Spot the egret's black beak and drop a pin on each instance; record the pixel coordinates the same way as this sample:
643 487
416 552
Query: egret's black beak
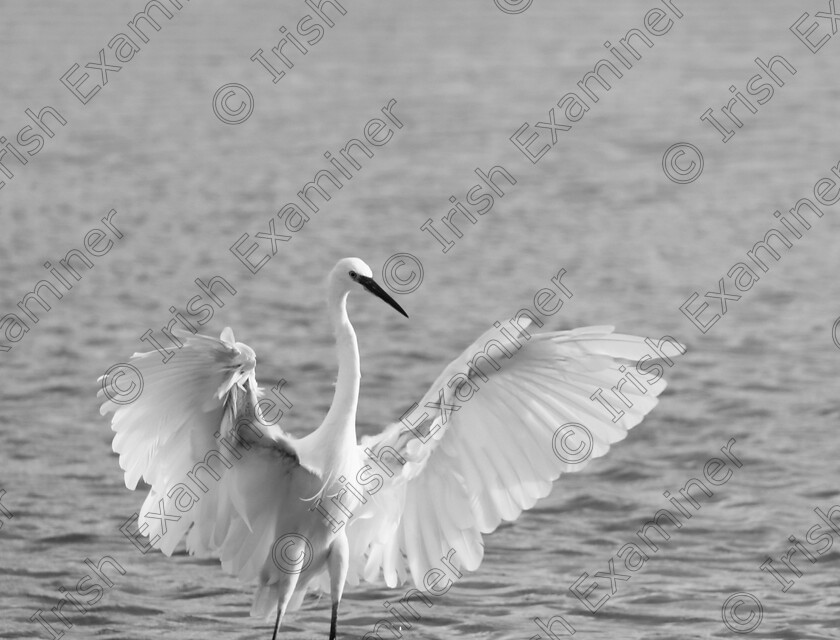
370 285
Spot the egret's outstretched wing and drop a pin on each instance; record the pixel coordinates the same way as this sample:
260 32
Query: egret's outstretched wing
487 440
219 472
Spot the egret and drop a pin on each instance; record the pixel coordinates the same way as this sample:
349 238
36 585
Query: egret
326 510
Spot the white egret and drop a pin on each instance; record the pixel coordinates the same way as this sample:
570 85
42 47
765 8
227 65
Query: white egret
326 510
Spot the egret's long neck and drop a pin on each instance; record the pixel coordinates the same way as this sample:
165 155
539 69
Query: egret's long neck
342 413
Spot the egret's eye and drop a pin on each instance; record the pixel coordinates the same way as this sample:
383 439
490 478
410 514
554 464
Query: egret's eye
353 275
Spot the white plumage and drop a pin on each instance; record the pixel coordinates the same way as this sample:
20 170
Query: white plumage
324 510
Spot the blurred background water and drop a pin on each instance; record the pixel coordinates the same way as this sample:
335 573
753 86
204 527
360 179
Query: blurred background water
465 76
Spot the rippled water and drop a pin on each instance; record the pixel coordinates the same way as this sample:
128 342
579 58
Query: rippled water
635 246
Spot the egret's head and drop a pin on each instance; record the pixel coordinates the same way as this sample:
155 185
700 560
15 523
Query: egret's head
350 274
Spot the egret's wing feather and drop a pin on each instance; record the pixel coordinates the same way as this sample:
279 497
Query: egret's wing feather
480 447
219 473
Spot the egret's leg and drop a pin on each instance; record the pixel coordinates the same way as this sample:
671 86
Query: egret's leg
286 592
334 620
337 565
277 622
